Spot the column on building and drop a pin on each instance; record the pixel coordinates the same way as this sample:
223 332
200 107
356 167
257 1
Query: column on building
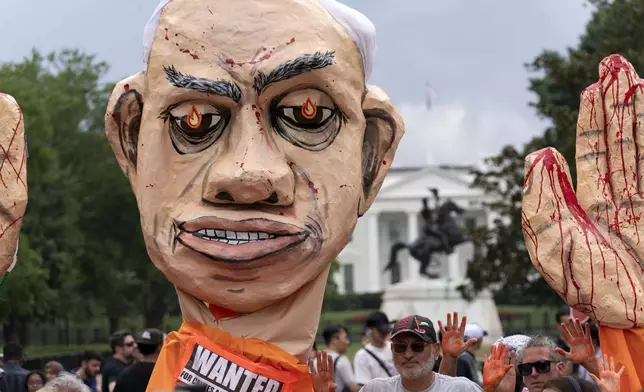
412 235
373 240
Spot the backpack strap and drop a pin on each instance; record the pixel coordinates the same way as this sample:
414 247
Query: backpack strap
382 365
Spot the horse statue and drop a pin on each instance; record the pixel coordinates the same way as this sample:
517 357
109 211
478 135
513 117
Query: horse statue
440 234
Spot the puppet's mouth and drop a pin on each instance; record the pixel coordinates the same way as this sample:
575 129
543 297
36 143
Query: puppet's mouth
237 241
232 237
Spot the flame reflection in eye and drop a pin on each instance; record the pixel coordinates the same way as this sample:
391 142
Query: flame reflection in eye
196 127
309 126
309 109
194 119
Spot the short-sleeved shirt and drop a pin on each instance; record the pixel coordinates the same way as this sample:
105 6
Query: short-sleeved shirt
344 375
135 378
366 366
442 383
112 370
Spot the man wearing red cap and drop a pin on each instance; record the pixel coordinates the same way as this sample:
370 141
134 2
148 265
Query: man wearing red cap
415 349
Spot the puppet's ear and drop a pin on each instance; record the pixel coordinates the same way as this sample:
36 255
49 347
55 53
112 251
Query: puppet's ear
123 121
384 128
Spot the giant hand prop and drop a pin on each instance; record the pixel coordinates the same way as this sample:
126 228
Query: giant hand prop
252 144
13 181
589 245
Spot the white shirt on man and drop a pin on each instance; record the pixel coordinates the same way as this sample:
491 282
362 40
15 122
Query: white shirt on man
442 383
343 371
366 366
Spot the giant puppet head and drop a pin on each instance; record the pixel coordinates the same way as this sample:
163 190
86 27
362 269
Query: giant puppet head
13 180
253 144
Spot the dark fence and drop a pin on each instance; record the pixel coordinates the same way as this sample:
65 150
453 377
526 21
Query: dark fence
69 361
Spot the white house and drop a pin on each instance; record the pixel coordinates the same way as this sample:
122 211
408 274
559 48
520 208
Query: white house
395 217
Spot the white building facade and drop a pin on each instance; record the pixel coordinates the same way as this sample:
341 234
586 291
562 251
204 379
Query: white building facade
395 217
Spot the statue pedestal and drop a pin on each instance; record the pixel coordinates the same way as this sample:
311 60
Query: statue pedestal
434 298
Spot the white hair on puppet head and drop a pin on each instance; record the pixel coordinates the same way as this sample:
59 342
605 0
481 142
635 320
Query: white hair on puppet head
358 26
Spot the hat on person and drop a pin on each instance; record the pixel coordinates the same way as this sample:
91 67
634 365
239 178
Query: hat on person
379 321
151 337
515 342
474 331
417 325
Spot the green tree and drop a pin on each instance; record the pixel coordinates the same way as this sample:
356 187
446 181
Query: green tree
504 265
82 236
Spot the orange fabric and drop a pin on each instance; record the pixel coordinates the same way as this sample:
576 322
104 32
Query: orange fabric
627 347
255 355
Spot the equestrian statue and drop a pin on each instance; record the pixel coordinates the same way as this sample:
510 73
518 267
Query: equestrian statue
440 234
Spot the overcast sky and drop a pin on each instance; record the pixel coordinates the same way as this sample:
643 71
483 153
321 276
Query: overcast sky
472 52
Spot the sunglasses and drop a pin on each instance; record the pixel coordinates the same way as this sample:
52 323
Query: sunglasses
525 369
401 348
129 344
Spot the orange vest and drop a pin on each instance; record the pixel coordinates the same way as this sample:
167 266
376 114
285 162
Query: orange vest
199 354
627 347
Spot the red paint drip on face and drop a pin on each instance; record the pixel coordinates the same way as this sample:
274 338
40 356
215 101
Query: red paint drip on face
166 34
291 164
230 62
258 115
281 213
384 162
312 186
126 87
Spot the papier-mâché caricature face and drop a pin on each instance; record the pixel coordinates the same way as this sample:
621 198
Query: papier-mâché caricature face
252 144
13 180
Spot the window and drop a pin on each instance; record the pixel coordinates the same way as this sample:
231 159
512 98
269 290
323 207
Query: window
347 270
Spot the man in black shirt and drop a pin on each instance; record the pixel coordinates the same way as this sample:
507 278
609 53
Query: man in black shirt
123 348
136 377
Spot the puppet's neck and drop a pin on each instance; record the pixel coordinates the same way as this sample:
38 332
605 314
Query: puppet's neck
290 324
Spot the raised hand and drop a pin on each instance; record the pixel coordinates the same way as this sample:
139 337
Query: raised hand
589 245
452 342
13 179
581 345
608 380
496 366
324 375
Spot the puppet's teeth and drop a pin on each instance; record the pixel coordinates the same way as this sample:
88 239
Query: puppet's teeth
233 237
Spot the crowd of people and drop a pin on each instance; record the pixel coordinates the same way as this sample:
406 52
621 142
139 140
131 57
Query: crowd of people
414 356
128 368
411 355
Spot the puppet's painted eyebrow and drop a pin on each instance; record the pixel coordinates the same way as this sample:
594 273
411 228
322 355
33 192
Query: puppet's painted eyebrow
292 68
215 87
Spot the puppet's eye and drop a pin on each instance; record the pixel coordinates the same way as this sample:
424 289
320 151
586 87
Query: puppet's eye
195 127
307 119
